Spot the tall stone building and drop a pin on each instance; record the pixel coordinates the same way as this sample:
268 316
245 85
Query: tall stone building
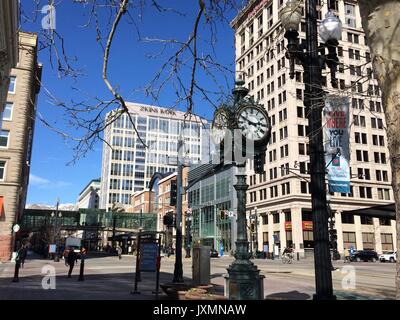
9 22
18 120
281 196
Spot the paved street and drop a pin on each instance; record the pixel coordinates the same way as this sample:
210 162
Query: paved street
110 278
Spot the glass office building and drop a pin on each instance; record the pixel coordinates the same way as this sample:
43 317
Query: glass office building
212 192
128 166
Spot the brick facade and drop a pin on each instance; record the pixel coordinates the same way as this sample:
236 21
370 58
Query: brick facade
17 126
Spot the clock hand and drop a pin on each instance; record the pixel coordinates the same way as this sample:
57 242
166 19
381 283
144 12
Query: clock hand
251 122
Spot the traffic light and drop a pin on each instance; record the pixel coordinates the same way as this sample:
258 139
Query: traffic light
259 162
173 193
252 227
168 219
222 214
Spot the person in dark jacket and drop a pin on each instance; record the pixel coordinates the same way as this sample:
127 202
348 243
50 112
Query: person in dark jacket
71 258
23 252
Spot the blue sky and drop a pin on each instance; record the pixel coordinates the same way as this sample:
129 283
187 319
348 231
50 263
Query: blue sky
129 68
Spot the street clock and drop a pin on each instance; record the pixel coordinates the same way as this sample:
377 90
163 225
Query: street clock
219 125
253 121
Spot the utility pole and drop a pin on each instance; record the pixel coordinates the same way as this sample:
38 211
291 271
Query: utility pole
178 269
256 229
58 230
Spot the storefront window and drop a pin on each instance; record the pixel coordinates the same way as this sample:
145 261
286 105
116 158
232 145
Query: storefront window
308 239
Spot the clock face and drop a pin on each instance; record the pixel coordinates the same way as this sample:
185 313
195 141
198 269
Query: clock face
254 123
219 126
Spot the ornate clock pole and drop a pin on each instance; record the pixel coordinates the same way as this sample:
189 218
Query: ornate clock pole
244 281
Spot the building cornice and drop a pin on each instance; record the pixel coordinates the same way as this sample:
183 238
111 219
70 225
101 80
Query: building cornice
252 6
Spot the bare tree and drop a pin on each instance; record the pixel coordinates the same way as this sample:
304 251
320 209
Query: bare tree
185 60
381 23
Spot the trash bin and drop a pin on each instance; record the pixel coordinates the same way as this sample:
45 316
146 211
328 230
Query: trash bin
201 265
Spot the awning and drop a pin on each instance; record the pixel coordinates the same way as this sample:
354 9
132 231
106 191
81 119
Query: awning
380 211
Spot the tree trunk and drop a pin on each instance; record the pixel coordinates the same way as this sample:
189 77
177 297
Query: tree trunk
381 23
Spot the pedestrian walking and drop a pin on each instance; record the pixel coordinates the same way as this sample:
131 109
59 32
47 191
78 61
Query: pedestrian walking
17 266
119 251
346 255
71 259
65 255
82 267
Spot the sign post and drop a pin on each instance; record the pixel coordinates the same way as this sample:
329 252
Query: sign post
148 257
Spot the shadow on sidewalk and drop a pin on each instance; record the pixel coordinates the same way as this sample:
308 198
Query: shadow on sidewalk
291 295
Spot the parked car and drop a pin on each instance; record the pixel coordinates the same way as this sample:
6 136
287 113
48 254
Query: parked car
364 255
213 253
388 256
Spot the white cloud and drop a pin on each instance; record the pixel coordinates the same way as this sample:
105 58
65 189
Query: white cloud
43 183
38 181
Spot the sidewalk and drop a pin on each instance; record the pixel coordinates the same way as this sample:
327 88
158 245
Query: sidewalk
108 278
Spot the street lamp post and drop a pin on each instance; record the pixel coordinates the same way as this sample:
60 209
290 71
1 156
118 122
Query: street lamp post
57 215
330 32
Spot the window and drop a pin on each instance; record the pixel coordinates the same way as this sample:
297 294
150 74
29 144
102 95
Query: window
265 238
349 240
11 88
300 130
351 53
7 114
387 241
384 222
284 151
347 218
285 188
2 170
4 134
300 112
260 25
383 194
270 16
303 187
366 220
362 155
368 239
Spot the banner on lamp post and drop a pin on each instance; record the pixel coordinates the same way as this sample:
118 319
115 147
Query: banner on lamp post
337 154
